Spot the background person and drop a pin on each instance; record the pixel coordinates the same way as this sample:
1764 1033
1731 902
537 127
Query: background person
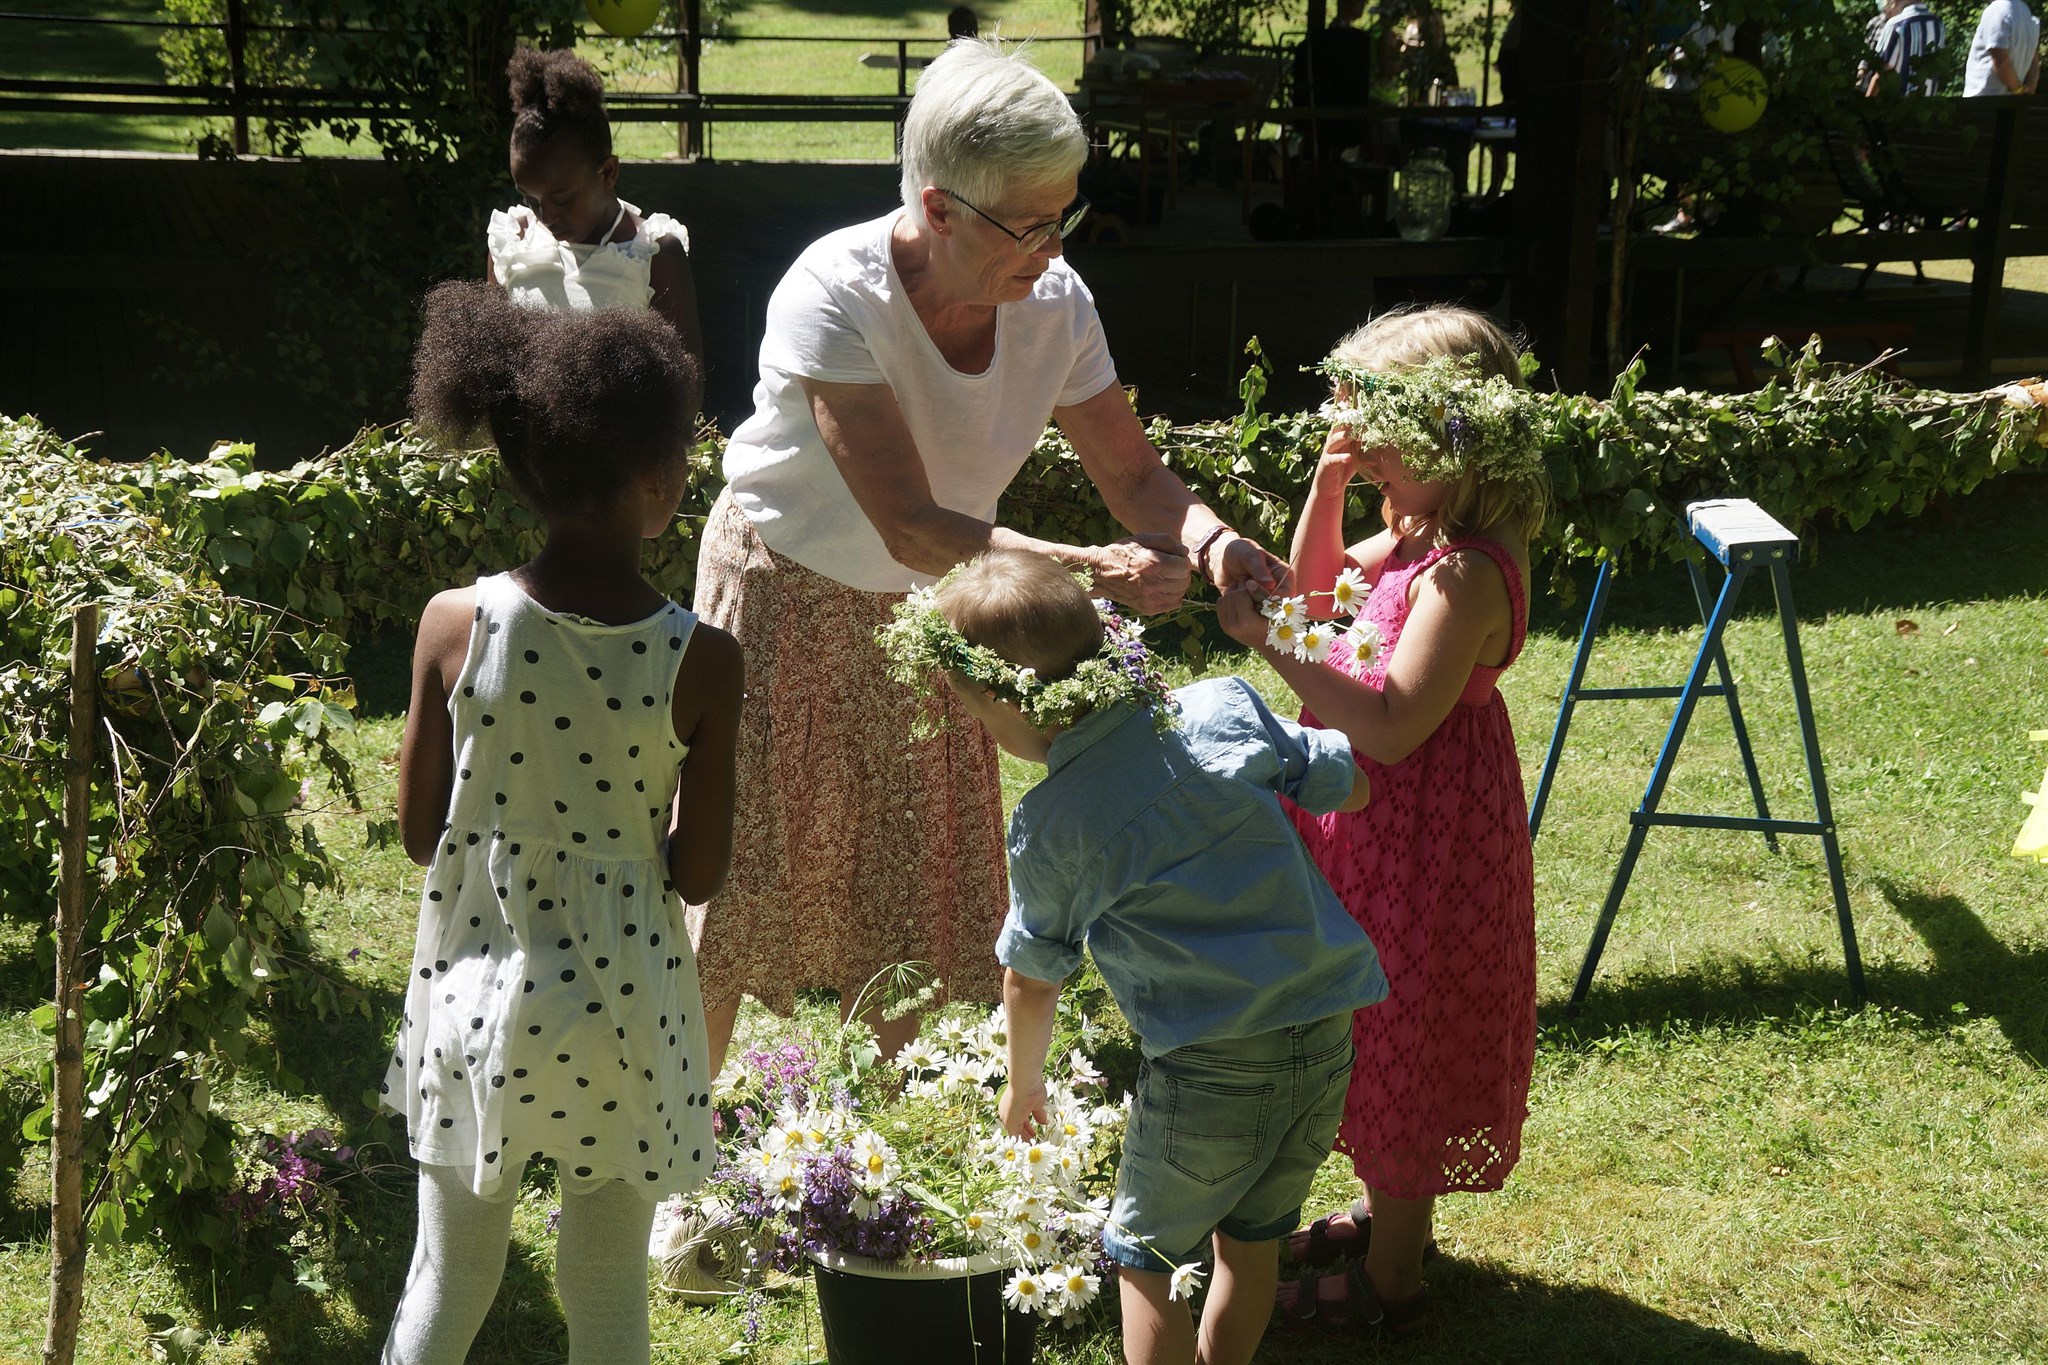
1910 33
909 368
2005 53
573 244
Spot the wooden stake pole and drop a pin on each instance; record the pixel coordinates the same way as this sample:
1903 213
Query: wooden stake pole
67 1213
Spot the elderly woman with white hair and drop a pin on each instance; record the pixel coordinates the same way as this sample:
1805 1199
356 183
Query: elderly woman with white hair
910 365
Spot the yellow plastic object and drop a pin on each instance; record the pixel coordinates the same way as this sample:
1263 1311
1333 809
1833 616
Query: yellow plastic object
2033 840
1733 96
624 18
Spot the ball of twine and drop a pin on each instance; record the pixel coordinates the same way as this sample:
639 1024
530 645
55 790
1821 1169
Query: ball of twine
707 1256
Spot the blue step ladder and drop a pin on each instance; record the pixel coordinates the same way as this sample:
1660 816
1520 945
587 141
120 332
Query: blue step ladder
1743 538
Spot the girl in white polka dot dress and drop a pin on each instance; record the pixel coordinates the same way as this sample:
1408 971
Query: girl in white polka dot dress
567 779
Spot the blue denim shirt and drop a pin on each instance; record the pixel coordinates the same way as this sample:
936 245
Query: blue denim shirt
1169 856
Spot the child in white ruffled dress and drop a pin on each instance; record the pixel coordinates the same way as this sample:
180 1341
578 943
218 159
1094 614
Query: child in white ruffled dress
573 244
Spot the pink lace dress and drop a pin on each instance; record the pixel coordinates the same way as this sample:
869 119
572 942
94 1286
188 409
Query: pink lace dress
1437 869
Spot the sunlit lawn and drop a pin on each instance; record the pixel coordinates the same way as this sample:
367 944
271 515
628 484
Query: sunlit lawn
1724 1161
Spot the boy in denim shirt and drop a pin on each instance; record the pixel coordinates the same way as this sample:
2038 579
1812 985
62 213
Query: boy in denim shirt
1166 852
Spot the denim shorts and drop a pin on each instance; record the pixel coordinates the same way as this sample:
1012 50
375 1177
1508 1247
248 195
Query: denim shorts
1227 1136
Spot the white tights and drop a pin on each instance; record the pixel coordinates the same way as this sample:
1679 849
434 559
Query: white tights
600 1271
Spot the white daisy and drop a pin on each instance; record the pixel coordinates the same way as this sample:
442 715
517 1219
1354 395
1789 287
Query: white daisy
1076 1286
786 1187
981 1225
1185 1280
1034 1241
1283 636
1292 610
1028 1207
1081 1069
915 1056
1088 1216
1349 591
995 1034
874 1158
1025 1292
1364 638
1315 641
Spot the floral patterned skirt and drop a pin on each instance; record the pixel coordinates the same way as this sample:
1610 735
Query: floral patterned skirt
855 847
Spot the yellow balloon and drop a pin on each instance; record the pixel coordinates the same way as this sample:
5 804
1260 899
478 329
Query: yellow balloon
624 18
1733 96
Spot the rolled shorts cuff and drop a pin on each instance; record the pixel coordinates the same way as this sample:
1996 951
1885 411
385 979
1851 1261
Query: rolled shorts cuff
1131 1254
1272 1231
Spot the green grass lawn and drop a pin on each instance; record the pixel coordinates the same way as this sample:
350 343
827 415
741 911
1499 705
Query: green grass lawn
736 64
1724 1160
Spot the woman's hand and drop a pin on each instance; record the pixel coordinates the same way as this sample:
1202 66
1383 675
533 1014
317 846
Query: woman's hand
1237 611
1147 572
1243 562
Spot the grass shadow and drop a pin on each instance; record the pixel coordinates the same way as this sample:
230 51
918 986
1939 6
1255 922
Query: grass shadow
1972 970
1486 1312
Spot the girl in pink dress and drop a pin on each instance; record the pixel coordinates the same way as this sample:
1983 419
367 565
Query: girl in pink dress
1437 868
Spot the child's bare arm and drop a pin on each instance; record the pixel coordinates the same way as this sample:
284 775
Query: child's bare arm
1319 552
426 756
709 685
1453 615
1030 1003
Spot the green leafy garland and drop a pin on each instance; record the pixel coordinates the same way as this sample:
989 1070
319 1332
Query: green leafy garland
1445 418
922 646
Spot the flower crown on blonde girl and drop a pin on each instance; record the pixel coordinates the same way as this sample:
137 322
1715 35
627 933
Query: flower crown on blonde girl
1448 420
921 646
1444 415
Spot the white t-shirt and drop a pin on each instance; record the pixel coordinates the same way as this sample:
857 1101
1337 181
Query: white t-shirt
2008 24
841 315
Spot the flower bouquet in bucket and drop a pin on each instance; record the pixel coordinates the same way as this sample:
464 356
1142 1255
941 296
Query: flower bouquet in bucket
892 1180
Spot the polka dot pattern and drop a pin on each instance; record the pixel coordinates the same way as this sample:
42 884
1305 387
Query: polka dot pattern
1439 872
525 965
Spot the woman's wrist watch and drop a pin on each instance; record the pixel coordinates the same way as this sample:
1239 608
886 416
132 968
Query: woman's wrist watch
1201 555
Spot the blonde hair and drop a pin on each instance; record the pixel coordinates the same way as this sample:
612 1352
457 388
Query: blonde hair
1027 608
1405 337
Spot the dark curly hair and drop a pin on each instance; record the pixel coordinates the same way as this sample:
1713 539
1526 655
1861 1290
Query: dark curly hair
576 403
556 93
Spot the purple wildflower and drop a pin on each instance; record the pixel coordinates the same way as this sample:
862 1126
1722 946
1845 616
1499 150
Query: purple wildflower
1458 433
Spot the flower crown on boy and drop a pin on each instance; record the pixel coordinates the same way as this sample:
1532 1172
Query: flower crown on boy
922 646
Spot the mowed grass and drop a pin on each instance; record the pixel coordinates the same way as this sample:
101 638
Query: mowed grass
731 63
1725 1160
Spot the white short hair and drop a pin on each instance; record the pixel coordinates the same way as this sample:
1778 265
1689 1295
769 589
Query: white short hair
984 123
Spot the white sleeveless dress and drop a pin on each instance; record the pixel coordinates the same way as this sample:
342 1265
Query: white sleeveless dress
540 271
553 1008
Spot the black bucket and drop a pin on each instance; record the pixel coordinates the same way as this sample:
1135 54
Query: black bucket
880 1319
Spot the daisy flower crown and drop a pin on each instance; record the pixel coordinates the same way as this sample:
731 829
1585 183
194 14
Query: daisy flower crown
1445 418
921 645
1291 631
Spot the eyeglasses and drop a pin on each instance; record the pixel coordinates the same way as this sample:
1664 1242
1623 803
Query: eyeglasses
1033 238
